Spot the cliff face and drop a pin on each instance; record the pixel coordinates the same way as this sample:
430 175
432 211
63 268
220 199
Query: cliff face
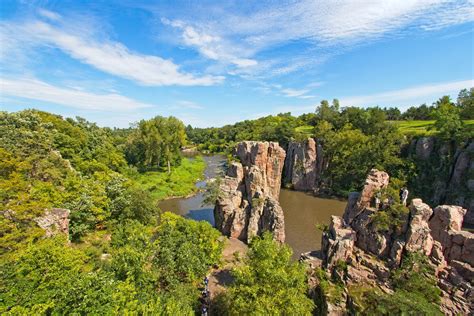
371 253
445 176
303 165
248 201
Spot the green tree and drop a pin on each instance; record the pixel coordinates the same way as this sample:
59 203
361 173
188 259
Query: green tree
156 142
465 102
269 283
448 120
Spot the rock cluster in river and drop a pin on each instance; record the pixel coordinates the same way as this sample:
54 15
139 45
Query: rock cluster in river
371 253
248 195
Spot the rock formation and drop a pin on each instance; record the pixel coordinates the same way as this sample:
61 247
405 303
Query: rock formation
446 176
370 253
248 201
303 165
54 221
376 181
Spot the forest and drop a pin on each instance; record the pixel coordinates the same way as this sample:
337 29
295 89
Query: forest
122 255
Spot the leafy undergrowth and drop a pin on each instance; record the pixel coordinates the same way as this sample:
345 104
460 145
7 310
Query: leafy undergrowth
181 181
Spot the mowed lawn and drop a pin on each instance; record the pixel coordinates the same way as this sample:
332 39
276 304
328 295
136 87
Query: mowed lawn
423 128
418 128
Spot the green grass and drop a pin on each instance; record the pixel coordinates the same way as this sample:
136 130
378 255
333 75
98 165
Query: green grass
422 128
305 129
181 181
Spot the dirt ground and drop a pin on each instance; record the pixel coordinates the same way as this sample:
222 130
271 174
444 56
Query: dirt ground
222 277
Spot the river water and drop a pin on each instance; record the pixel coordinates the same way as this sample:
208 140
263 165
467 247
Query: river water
302 211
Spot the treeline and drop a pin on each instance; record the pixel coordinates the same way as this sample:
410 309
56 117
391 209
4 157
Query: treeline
354 139
285 127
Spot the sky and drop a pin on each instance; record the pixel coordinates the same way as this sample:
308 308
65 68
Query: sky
212 63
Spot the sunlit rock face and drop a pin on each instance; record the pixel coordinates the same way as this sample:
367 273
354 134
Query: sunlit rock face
248 201
370 253
303 165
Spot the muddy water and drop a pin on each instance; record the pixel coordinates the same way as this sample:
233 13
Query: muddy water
302 211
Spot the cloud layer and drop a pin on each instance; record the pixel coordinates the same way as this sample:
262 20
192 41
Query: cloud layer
38 90
105 55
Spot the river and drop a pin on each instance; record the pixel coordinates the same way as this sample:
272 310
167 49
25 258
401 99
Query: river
302 211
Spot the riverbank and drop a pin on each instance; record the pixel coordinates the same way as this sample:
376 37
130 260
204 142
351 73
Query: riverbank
181 182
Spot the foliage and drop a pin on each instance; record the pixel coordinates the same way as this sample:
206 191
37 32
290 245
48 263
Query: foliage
156 143
185 249
181 181
212 191
268 283
465 102
448 120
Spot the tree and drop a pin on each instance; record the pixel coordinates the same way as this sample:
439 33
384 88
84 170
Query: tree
269 283
156 143
465 102
448 121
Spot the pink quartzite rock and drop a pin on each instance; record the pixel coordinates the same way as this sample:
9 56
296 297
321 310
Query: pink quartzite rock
301 165
248 200
376 180
54 221
418 234
338 243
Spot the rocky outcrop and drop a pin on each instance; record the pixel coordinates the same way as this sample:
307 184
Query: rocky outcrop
303 165
418 237
376 181
367 253
54 221
248 201
337 243
445 173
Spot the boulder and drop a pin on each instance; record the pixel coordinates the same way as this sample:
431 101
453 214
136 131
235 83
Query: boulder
376 180
248 201
54 221
418 236
337 243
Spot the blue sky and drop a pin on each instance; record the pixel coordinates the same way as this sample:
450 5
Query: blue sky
214 63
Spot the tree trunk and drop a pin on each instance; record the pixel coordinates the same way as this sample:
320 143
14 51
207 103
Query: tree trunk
169 167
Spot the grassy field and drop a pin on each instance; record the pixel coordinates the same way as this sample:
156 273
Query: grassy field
181 181
418 128
422 128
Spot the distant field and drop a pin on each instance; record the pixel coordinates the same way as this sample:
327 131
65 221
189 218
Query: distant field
422 127
305 129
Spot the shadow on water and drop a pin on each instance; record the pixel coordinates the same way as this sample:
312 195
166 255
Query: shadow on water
204 214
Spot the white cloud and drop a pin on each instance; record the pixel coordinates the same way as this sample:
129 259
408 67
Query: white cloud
108 56
41 91
326 27
49 15
189 105
408 96
294 92
210 46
